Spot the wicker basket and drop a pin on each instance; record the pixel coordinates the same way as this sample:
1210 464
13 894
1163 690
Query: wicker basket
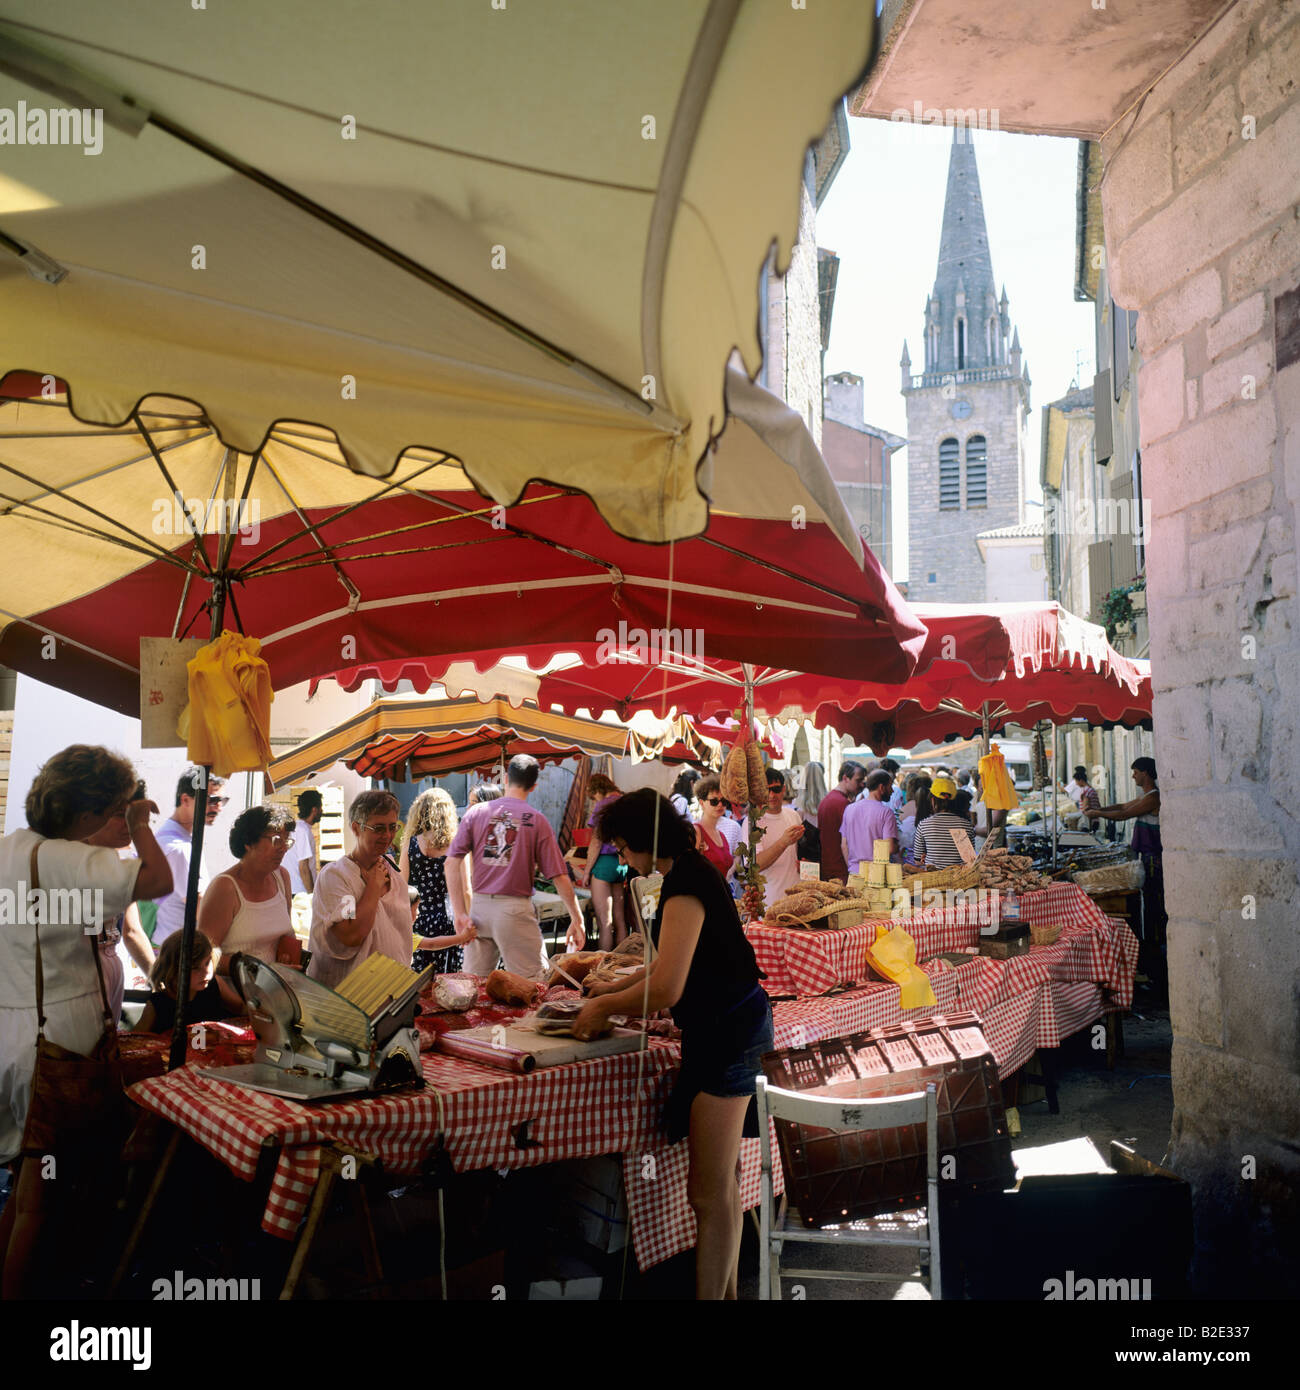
827 918
959 876
1044 933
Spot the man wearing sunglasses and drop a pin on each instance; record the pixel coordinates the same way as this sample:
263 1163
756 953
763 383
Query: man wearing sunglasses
175 838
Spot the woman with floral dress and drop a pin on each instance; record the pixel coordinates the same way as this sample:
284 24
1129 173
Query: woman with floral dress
430 828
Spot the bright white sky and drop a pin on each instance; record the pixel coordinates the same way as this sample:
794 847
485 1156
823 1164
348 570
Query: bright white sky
882 217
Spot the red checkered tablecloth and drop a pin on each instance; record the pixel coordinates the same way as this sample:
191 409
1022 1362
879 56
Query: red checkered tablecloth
805 962
608 1105
1046 991
615 1104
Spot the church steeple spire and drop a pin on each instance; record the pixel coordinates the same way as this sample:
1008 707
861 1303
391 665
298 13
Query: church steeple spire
965 323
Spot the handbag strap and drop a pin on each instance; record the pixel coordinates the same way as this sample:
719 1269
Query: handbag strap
110 1023
35 882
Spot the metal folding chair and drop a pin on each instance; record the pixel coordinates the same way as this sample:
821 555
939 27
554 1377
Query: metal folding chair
845 1114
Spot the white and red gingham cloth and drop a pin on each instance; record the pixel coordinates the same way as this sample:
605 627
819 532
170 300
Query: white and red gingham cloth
600 1107
802 962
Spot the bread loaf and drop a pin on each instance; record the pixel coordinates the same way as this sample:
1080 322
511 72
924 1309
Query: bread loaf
734 781
757 777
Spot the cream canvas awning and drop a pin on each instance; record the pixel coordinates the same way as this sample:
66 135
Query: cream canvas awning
527 237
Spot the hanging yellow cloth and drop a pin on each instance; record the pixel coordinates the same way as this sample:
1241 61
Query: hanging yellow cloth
999 794
227 723
893 955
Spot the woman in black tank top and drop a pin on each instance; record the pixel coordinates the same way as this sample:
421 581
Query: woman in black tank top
705 972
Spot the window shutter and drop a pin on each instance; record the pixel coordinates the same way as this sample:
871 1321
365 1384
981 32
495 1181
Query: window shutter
1099 578
949 476
1103 417
977 477
1124 558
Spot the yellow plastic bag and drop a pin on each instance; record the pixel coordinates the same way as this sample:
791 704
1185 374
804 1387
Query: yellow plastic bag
894 956
227 723
999 794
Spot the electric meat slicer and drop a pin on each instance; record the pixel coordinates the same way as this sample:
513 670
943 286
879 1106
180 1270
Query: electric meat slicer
316 1043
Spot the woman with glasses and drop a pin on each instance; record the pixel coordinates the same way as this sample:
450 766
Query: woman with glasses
361 904
247 908
716 834
74 795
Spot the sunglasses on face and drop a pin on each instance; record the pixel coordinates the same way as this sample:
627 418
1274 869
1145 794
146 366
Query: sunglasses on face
718 801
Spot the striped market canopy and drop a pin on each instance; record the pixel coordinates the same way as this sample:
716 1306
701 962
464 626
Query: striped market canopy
406 740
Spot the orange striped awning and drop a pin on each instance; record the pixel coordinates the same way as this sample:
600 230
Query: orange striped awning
410 739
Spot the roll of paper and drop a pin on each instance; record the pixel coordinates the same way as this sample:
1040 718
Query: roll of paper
456 1044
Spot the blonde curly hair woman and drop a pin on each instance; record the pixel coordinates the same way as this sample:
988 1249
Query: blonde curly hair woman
430 828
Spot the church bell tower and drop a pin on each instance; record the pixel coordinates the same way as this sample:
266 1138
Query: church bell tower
967 410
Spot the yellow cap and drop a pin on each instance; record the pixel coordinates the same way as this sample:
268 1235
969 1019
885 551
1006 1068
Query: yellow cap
943 787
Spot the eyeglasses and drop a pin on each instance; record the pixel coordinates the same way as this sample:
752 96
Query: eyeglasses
718 801
389 829
218 800
279 840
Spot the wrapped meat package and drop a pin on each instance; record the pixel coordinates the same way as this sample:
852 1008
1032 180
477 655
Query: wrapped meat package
455 992
513 989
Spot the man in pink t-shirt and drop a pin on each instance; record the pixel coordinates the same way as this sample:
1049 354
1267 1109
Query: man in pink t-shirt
509 844
869 820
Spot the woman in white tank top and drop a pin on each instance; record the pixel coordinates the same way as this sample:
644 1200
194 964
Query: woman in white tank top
246 908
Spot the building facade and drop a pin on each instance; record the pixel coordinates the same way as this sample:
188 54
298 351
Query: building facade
859 457
966 409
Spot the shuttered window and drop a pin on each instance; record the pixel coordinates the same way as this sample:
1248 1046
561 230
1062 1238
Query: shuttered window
1099 578
1123 524
949 476
977 481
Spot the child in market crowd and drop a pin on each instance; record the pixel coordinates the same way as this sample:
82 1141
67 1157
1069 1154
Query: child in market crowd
209 1000
602 872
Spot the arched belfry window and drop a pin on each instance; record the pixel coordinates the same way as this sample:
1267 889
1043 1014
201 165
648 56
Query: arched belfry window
949 476
977 478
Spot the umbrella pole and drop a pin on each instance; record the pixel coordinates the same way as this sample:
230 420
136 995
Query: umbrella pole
176 1058
1056 815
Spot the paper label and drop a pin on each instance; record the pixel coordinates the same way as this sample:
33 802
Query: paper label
964 847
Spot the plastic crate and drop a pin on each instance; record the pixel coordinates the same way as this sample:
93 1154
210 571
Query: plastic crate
832 1178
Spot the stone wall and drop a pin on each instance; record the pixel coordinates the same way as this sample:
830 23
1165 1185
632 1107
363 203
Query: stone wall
1203 238
793 350
803 342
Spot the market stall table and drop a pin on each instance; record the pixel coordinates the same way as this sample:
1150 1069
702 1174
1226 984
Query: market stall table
487 1118
803 962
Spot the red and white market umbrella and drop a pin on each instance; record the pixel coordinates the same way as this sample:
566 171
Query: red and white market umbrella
114 534
1057 668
